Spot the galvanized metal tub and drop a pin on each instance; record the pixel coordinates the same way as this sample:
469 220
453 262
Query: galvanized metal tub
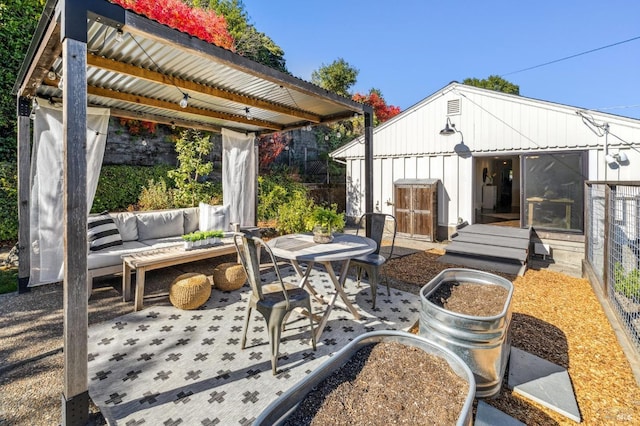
276 413
484 343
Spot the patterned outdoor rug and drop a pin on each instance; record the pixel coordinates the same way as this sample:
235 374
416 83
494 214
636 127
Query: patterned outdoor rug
165 366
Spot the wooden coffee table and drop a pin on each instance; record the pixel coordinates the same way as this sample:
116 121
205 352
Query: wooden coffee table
161 258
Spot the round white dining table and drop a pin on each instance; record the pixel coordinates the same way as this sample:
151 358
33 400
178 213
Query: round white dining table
300 248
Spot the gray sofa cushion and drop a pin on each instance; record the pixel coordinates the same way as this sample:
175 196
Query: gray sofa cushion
191 219
157 243
113 255
160 224
127 225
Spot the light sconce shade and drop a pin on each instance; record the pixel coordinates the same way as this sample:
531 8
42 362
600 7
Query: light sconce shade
619 157
449 128
184 101
610 159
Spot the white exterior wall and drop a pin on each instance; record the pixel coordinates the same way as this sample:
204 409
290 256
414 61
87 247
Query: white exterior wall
490 123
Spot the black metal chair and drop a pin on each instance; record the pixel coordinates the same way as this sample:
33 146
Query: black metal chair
273 300
383 232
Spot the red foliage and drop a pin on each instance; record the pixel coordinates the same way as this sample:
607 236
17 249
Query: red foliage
382 111
204 24
138 128
269 147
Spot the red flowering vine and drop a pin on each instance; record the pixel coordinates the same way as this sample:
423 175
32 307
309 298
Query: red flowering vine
200 23
382 111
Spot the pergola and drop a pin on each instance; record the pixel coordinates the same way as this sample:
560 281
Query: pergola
95 53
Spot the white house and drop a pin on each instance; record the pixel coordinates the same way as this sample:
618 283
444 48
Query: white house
494 156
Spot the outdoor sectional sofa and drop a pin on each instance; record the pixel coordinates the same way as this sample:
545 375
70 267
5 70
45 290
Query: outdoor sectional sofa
113 235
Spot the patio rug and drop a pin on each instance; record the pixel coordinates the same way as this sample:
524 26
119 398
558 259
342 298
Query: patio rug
165 366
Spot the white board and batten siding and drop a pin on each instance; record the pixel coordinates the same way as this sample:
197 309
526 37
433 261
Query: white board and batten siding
489 123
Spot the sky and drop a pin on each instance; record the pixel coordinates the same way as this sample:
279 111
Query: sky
409 49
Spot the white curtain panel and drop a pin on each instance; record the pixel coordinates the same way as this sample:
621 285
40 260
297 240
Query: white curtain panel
239 176
47 208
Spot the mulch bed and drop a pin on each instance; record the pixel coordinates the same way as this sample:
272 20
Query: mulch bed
557 318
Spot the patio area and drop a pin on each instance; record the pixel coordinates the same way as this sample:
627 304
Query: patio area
572 332
163 365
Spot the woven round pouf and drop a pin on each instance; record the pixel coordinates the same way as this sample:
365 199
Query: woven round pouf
189 291
229 276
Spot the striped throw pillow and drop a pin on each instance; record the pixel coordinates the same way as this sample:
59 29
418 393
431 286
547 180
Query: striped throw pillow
103 232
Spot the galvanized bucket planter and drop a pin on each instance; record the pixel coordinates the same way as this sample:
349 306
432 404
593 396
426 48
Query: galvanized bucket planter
483 343
276 413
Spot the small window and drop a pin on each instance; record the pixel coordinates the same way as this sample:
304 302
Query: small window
453 107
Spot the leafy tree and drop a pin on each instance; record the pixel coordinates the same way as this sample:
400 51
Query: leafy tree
204 24
18 21
337 77
192 148
494 82
249 42
382 111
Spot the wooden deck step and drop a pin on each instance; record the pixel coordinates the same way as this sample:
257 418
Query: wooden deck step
513 268
497 248
493 240
488 250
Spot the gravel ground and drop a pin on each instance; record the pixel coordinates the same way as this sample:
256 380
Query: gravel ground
555 316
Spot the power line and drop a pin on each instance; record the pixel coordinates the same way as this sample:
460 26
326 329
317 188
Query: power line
572 56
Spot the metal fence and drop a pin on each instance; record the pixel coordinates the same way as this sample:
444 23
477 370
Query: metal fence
613 248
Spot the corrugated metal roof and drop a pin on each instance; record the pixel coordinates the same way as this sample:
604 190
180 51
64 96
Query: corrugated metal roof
144 69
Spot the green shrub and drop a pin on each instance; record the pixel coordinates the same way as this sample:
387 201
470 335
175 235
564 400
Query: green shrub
155 196
274 190
8 280
192 148
120 186
294 215
625 283
8 202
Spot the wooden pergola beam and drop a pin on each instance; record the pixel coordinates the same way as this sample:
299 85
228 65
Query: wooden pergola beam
172 106
156 77
121 113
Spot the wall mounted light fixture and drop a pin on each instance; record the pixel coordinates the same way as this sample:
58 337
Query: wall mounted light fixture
449 128
617 158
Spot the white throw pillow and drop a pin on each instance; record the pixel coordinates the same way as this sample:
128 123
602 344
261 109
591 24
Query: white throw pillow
214 218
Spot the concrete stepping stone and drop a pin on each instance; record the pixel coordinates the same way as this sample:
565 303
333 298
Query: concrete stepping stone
486 415
544 382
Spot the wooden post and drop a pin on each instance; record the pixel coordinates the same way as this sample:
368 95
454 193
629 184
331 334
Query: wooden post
368 164
24 191
75 398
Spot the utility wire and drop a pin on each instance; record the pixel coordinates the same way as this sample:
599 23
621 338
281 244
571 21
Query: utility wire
572 56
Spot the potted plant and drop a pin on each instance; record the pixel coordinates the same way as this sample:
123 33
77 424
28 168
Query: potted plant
201 239
323 222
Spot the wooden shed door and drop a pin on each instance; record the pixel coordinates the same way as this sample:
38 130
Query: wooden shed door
414 209
403 208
